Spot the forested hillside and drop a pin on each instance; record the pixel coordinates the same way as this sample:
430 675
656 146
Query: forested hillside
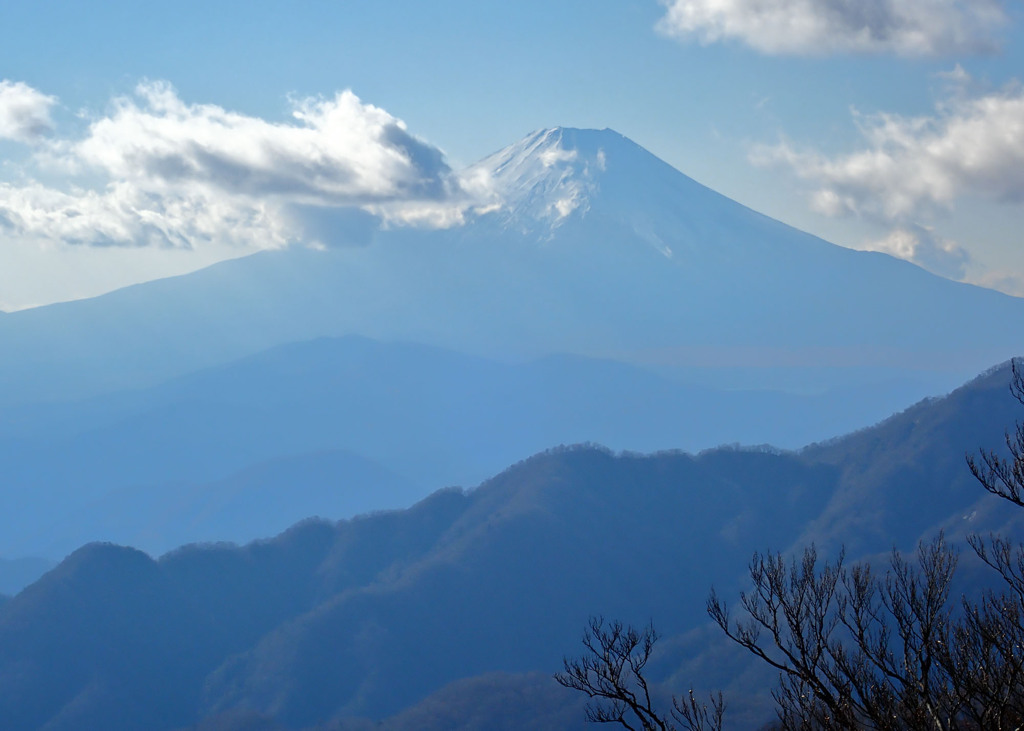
372 617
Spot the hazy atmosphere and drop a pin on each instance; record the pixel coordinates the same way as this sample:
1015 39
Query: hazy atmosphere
431 366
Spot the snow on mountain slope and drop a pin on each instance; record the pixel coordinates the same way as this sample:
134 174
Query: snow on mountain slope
555 174
681 273
541 182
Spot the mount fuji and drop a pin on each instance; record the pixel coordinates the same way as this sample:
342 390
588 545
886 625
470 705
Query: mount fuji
604 297
598 249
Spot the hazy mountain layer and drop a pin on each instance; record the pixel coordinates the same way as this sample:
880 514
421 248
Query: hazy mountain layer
338 427
370 617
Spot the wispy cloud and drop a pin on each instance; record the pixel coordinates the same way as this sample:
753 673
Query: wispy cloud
913 165
825 27
922 246
24 112
336 151
913 169
158 171
122 214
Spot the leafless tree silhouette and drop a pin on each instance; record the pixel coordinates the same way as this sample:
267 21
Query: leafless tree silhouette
611 673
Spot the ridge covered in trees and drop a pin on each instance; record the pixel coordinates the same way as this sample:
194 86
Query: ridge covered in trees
474 593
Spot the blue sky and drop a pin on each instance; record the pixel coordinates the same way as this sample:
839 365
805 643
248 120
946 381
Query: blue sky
888 124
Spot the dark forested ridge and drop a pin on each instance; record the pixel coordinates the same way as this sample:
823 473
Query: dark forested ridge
470 596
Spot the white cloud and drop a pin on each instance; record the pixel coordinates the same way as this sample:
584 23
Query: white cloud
554 155
824 27
124 215
337 151
476 194
167 173
910 172
913 166
1003 281
956 76
24 112
923 247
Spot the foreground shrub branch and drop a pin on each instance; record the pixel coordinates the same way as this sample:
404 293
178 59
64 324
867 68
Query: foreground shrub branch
611 674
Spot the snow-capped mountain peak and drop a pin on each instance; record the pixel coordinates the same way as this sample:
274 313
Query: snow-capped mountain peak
549 175
605 180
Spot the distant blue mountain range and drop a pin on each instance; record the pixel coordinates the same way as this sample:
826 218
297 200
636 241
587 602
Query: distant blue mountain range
609 298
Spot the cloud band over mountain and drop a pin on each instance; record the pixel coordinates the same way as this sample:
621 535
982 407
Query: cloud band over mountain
159 171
